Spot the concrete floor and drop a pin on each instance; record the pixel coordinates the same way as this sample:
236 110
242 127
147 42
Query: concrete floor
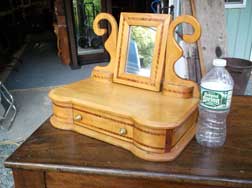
33 107
40 71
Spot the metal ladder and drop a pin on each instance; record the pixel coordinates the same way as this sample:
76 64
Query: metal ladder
7 101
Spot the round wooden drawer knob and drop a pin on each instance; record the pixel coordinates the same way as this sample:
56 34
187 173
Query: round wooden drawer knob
78 117
122 131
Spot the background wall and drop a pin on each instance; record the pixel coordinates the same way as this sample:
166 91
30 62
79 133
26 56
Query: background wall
239 31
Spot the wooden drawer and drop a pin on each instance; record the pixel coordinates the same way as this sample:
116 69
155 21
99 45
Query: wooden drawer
143 138
124 131
103 123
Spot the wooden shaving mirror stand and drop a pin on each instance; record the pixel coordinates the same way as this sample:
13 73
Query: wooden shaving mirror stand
137 101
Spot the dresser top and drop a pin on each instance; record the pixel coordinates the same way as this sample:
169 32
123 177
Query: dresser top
229 166
147 107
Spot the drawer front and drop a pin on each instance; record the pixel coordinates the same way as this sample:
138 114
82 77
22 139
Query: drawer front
66 180
103 123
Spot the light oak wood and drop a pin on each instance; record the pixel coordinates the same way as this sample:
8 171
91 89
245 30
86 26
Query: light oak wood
106 73
173 85
156 125
161 23
153 125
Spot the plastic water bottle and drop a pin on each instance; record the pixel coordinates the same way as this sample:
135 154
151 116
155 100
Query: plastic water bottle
216 93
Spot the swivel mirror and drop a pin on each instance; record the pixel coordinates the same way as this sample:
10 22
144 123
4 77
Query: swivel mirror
141 48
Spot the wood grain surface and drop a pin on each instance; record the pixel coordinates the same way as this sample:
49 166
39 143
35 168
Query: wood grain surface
146 107
160 23
29 179
54 151
106 73
60 29
152 118
152 126
173 85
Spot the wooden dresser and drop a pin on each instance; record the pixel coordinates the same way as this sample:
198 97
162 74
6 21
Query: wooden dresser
53 158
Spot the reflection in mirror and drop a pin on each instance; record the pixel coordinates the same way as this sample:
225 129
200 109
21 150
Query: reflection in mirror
140 50
84 12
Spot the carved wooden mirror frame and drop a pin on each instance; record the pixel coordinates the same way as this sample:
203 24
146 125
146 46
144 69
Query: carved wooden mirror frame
172 84
161 23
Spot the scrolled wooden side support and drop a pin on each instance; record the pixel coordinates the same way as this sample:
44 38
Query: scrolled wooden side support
106 72
173 85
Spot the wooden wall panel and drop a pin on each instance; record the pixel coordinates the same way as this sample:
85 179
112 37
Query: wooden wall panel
210 14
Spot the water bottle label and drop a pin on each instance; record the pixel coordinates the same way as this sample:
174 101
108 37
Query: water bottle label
215 100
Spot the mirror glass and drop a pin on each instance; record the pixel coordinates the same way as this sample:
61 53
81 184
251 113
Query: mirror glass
140 50
84 12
